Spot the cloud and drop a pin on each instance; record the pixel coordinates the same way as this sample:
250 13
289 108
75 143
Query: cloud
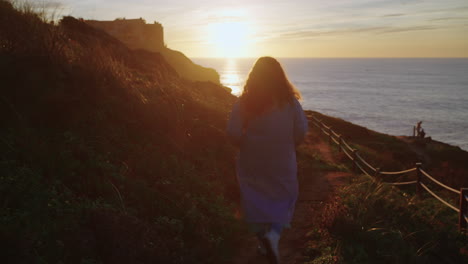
459 10
372 30
394 15
448 18
406 29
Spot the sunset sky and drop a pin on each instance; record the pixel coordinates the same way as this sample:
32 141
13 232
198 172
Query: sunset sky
297 28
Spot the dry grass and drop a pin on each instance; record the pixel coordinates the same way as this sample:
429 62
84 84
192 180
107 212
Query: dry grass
108 156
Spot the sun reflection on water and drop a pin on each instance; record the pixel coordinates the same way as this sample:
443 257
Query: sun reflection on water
231 78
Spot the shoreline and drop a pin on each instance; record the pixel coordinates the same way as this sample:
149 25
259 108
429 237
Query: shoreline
426 139
446 162
430 138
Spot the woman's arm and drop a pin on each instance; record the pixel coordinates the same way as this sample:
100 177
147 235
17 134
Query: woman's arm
300 123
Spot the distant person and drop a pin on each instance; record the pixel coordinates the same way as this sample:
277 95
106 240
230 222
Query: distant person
418 129
267 123
422 134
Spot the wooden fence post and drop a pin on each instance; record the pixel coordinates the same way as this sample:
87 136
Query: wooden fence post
463 209
418 179
331 135
377 173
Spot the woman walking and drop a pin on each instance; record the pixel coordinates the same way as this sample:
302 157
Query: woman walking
267 123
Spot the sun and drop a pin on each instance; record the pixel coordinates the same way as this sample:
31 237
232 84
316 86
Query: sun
230 39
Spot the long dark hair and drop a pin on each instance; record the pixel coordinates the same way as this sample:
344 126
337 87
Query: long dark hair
266 86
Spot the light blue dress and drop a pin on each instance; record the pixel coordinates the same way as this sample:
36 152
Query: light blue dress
266 165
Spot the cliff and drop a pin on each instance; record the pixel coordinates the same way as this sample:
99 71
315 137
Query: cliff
106 154
137 34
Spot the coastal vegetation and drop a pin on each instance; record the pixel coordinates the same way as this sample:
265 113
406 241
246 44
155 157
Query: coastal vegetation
107 155
368 221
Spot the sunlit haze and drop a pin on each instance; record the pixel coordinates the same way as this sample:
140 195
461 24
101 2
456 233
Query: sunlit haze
301 28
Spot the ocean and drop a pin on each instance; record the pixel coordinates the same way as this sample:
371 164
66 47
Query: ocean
386 95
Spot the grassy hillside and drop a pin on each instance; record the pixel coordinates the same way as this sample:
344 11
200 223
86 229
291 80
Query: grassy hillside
187 68
447 163
107 156
367 221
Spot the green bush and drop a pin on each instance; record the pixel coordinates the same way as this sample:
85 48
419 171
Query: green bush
375 223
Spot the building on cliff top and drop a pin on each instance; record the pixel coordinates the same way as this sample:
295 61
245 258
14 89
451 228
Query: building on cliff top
134 33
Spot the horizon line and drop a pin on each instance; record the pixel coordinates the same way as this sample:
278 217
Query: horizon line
279 57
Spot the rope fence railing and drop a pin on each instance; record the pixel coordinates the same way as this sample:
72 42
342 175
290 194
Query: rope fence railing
365 162
335 134
348 155
363 170
360 164
440 199
401 183
439 183
397 172
346 144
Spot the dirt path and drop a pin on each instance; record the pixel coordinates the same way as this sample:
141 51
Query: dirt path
315 188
